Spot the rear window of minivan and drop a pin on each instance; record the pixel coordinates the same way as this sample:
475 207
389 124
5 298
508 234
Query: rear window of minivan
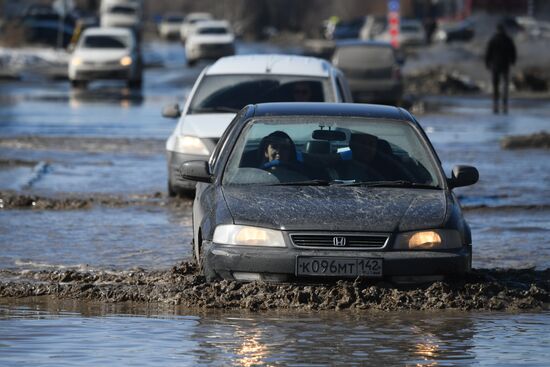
365 56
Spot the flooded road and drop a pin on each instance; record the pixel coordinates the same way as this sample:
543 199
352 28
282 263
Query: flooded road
86 334
83 189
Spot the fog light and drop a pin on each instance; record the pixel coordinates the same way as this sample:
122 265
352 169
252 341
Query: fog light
424 240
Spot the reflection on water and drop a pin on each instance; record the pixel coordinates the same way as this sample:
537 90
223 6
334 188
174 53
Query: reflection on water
84 334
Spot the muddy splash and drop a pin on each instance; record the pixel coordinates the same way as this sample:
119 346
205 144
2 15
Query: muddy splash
481 290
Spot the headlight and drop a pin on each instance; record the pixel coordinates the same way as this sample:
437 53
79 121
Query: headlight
248 236
439 239
126 61
76 61
191 145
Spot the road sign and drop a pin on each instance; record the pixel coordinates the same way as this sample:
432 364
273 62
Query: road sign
393 21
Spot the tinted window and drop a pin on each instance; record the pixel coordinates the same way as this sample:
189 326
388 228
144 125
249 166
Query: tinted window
123 10
230 93
174 19
105 42
365 57
337 149
212 30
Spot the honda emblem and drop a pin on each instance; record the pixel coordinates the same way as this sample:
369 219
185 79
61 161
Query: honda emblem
339 241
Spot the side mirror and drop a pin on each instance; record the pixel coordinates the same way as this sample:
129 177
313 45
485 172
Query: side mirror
463 176
171 111
196 171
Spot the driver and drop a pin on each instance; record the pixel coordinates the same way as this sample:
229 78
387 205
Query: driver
277 149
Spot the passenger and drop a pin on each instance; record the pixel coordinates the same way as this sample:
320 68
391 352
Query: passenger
372 160
277 149
301 92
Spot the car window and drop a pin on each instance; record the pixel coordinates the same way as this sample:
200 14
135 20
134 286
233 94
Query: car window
123 10
286 150
230 93
105 42
174 19
365 57
212 30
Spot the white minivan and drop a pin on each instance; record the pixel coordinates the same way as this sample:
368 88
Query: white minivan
233 82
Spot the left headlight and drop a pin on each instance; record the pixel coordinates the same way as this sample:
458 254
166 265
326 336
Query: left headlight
126 61
248 236
76 61
439 239
191 145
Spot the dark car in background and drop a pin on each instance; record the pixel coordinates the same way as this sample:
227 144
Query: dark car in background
43 25
372 69
325 190
452 32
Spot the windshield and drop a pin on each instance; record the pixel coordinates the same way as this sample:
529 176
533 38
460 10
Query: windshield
105 42
365 57
123 10
317 150
174 19
230 93
212 30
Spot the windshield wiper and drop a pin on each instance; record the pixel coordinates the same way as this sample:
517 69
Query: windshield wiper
397 183
304 183
215 109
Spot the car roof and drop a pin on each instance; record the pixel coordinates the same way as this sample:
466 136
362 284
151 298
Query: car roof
331 109
198 15
357 43
212 23
107 31
270 64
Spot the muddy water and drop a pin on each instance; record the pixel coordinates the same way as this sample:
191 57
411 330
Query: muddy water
90 334
85 219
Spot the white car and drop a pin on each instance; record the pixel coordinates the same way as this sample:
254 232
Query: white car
211 39
169 26
233 82
106 53
121 14
411 33
189 23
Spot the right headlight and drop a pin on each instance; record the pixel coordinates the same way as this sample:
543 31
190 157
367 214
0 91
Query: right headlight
437 239
191 145
248 236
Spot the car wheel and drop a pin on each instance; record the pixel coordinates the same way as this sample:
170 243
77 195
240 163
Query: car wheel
135 84
171 191
79 84
191 63
206 269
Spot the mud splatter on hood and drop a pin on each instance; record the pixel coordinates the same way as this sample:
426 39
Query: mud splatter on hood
336 208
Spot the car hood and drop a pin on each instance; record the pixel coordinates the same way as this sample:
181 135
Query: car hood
336 208
205 125
102 55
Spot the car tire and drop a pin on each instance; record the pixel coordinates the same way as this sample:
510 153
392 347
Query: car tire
206 269
79 84
171 191
191 63
135 84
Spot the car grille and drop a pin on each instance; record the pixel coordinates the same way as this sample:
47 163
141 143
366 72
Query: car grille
339 241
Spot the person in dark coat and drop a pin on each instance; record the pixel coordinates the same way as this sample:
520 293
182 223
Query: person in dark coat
499 56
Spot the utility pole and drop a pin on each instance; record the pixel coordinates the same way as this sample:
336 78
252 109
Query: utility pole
61 24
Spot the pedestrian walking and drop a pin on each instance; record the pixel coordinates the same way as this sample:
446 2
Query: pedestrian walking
499 56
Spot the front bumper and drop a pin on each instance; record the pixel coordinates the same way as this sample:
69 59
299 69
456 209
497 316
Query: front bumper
119 73
175 160
280 263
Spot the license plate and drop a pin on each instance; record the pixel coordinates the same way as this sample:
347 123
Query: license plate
341 267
